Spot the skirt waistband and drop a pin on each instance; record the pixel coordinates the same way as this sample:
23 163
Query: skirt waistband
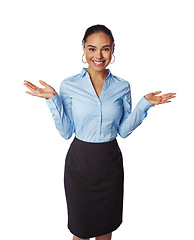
95 146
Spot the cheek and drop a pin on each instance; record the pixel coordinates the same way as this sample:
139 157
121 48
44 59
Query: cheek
107 56
89 55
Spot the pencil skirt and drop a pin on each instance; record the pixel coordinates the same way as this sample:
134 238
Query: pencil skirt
94 187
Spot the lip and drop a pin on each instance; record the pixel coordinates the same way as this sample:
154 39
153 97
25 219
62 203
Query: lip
98 63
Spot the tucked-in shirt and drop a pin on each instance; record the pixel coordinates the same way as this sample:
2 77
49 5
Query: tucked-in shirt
78 109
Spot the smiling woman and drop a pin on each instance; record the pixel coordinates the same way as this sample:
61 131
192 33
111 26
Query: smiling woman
98 50
96 106
99 47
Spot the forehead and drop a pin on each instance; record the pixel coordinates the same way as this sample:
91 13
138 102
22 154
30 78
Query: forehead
98 39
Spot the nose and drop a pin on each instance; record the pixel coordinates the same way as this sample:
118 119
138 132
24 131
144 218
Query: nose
99 54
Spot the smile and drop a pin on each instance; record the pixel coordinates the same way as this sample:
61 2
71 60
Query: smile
96 63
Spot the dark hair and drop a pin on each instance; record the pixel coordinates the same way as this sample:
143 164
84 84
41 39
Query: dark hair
97 29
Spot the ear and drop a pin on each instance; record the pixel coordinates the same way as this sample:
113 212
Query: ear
83 47
113 48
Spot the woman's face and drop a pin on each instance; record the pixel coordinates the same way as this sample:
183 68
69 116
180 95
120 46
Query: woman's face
98 50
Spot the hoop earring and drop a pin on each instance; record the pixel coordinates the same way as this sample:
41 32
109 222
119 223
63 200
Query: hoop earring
114 59
82 58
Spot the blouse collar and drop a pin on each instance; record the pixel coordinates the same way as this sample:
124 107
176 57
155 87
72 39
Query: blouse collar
83 72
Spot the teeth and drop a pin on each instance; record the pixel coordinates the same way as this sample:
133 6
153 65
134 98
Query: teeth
98 62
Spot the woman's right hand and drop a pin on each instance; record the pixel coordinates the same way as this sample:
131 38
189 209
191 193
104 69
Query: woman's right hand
47 92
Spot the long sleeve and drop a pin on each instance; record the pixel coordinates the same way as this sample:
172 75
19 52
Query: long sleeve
131 120
61 109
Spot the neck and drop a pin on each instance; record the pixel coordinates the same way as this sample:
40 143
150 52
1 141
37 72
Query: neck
100 75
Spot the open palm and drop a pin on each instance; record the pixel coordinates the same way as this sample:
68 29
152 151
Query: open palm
155 100
46 92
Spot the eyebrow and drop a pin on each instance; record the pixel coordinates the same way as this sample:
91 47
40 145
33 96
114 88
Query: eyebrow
95 46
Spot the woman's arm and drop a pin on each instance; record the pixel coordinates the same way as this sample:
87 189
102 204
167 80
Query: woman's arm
131 120
59 105
61 109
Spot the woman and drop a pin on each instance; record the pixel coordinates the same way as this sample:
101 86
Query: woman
96 105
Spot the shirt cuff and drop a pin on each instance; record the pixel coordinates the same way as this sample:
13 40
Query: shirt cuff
54 102
144 104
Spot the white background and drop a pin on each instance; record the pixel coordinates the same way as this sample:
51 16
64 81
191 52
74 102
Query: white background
154 51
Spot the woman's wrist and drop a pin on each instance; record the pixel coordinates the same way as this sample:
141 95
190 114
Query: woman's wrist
51 95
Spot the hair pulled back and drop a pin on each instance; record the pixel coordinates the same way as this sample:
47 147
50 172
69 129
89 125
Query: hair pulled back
97 29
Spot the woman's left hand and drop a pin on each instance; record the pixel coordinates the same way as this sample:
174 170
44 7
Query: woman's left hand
155 100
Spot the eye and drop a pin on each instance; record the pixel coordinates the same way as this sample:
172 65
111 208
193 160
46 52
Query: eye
91 49
106 49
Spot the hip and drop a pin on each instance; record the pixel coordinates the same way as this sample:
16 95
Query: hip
94 156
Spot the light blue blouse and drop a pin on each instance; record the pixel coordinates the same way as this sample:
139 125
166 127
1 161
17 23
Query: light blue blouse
78 109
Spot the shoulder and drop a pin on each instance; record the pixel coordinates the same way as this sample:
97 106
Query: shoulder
121 81
67 84
71 79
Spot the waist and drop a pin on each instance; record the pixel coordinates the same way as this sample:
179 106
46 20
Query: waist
95 146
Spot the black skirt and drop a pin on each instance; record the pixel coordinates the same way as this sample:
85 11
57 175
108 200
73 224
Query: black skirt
93 181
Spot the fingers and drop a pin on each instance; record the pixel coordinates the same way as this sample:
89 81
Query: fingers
157 92
35 90
171 95
168 96
33 94
30 85
164 102
43 83
32 88
165 97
